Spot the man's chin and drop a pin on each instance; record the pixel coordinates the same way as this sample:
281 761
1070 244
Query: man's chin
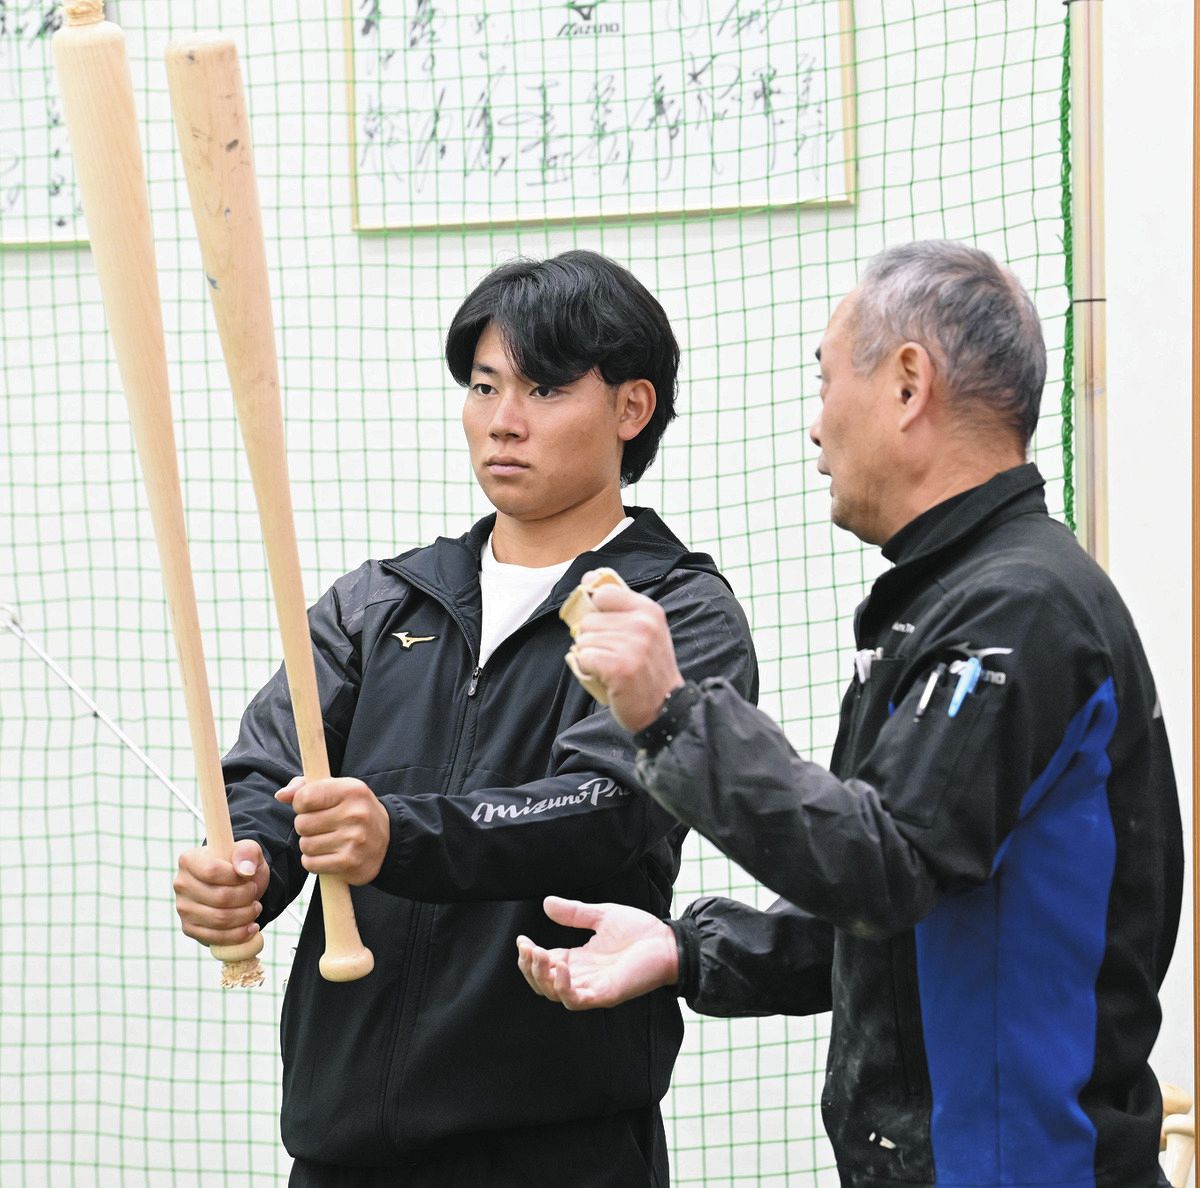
857 526
504 495
507 504
841 516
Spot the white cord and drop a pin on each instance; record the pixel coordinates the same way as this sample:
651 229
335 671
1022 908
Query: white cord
10 620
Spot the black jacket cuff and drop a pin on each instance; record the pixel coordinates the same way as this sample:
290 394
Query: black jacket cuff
671 720
687 941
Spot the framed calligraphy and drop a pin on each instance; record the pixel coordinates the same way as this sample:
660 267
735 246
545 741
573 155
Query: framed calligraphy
533 111
39 206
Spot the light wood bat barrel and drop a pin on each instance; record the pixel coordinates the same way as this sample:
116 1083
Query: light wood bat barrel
97 93
214 136
1179 1142
1175 1099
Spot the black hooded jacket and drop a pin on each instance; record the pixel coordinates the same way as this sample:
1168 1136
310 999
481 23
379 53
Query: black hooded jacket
503 784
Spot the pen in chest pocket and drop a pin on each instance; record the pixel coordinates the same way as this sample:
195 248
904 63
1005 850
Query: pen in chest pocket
968 678
927 693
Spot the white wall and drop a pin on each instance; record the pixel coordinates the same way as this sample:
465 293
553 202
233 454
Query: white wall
1148 140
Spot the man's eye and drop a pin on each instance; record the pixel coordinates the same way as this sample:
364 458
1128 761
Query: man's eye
544 390
483 389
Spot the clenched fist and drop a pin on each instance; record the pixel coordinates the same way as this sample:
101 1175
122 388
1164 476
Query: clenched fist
625 642
218 902
343 828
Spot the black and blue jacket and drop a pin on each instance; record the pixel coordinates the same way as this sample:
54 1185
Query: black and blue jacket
504 783
984 888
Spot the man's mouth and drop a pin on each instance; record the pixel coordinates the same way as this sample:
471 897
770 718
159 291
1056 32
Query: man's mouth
505 466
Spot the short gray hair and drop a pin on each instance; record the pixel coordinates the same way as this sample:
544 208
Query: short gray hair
971 314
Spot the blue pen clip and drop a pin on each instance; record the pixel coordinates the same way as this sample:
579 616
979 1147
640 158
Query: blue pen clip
968 678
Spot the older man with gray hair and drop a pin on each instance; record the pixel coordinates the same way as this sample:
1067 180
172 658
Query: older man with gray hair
985 884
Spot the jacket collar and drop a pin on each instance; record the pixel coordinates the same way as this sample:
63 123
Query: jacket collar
644 553
924 543
960 516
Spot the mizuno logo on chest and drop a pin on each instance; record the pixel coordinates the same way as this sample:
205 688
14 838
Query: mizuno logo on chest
408 640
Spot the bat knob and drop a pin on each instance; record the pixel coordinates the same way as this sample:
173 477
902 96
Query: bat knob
242 975
84 12
240 966
347 967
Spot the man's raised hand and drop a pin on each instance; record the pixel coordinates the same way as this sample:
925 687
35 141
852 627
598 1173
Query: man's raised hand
624 641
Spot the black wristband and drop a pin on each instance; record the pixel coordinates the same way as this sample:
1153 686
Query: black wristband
671 720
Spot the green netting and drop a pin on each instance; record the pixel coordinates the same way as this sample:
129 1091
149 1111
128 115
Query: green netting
121 1062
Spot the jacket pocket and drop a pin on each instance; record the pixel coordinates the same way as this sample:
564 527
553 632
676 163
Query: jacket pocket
919 760
910 1038
413 962
876 1101
869 704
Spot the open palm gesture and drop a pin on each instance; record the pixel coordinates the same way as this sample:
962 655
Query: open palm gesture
631 954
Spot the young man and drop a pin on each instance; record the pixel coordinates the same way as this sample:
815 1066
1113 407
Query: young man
985 886
473 775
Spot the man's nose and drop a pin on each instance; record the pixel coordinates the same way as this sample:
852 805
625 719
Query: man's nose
507 417
814 432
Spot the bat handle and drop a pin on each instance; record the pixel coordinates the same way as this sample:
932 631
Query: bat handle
346 958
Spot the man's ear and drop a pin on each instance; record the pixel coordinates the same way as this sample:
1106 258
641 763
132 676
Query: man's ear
636 400
914 375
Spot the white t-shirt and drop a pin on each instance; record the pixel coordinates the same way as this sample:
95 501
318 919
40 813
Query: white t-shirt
511 593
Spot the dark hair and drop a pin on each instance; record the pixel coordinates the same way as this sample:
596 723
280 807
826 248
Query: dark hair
562 317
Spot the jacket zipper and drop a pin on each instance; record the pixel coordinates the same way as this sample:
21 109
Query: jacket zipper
458 763
420 910
458 772
473 686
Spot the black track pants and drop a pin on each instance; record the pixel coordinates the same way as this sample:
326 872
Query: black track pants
625 1151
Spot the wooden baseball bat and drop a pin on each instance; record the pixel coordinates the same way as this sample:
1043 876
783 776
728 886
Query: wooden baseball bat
97 92
1179 1142
214 136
